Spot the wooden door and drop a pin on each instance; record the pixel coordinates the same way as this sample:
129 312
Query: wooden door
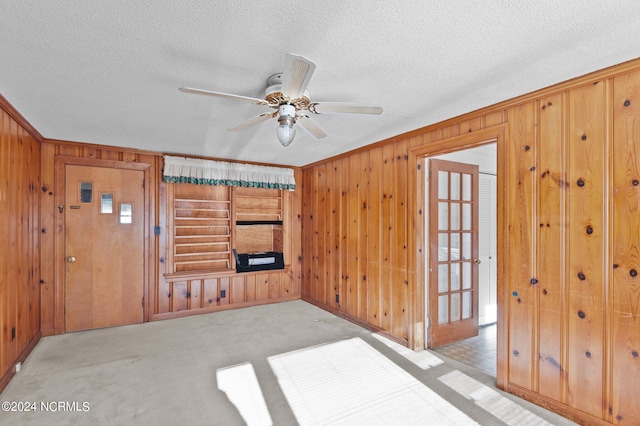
453 252
104 247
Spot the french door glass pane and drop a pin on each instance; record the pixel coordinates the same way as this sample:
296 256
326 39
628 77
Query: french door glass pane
443 247
455 307
455 246
443 309
455 276
466 187
466 275
443 216
443 278
455 186
466 217
466 305
466 246
455 216
443 185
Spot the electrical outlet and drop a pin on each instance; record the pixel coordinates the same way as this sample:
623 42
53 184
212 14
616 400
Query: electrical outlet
223 294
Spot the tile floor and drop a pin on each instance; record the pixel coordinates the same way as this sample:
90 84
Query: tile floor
478 352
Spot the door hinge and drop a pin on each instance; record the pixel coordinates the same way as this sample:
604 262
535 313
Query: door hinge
428 322
143 302
429 173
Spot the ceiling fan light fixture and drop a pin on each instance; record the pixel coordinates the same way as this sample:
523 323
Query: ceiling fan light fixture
285 131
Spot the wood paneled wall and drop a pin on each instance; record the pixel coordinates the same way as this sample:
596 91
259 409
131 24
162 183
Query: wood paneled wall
569 249
20 236
52 235
165 298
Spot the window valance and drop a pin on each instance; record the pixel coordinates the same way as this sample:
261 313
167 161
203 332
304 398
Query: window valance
209 172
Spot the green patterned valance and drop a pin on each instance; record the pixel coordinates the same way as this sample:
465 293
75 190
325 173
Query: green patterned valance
208 172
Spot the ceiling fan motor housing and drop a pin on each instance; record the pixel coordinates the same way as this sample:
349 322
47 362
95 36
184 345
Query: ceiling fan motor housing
287 110
274 95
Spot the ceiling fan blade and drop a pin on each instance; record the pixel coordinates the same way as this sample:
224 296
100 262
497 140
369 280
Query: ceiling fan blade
311 126
223 95
251 122
342 108
296 75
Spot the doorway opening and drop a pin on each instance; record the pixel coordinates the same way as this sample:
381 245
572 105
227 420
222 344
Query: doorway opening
461 230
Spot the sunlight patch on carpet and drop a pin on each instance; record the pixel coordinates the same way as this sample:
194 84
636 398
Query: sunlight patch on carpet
243 390
351 383
424 359
491 400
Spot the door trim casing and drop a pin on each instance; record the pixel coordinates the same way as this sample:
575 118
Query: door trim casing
416 239
60 162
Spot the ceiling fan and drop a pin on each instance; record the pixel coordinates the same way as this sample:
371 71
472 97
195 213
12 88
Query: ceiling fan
287 94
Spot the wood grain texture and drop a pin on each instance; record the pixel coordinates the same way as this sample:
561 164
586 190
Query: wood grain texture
550 270
552 245
587 246
522 225
625 242
20 188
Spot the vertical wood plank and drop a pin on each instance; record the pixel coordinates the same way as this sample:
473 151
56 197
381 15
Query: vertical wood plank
12 168
223 286
250 288
5 222
387 237
334 243
316 289
262 287
286 284
625 242
210 293
521 219
47 259
180 296
295 230
551 204
307 233
363 241
353 236
343 214
275 289
321 231
374 254
400 291
164 298
237 290
586 142
195 294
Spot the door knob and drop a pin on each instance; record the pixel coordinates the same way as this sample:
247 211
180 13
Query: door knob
71 259
477 261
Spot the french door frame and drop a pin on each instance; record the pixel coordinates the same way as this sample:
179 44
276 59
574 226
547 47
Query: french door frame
419 245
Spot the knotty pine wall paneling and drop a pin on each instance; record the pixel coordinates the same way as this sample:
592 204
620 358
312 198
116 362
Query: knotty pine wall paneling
623 291
586 247
568 249
373 258
551 235
164 298
181 293
20 187
52 244
523 276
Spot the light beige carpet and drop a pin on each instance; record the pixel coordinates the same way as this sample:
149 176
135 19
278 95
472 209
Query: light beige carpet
282 364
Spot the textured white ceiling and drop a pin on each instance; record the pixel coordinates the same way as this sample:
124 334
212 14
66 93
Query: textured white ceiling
107 72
